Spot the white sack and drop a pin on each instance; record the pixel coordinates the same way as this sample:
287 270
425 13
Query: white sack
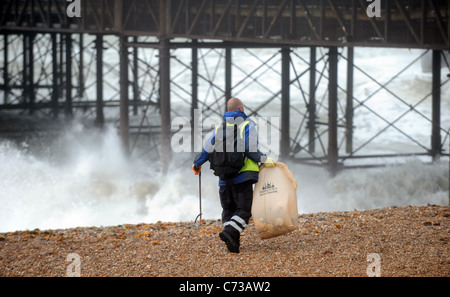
274 208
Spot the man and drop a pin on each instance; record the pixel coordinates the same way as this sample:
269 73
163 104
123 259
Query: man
236 192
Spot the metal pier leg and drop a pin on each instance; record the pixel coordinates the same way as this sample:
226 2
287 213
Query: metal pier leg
135 78
68 106
349 107
124 102
164 72
61 76
436 106
332 111
100 118
55 75
5 70
312 100
285 102
227 75
194 105
28 77
80 90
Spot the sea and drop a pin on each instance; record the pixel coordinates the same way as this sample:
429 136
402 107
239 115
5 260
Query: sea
65 173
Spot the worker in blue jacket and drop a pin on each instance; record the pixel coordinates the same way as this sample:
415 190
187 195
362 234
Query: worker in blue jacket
236 192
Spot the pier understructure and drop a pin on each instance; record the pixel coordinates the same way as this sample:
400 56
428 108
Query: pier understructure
149 61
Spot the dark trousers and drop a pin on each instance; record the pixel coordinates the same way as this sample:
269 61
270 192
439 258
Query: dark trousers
236 203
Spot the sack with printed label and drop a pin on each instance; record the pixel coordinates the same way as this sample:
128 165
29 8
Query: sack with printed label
274 207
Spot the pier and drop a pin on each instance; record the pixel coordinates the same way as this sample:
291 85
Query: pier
49 47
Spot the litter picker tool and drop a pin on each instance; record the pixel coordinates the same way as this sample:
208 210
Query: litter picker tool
199 198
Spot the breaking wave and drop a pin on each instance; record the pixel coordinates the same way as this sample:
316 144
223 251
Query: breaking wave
84 179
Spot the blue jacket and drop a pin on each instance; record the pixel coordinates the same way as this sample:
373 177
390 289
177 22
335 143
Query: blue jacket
253 154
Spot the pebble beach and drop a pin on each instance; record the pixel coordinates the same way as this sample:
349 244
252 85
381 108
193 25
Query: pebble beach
407 241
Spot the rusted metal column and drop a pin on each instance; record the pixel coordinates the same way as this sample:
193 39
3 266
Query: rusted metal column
164 89
5 69
68 105
228 70
448 38
80 90
194 81
55 75
100 118
124 101
28 73
285 102
135 78
194 78
332 111
61 77
349 107
312 99
436 106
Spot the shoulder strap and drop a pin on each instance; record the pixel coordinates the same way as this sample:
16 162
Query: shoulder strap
243 125
218 126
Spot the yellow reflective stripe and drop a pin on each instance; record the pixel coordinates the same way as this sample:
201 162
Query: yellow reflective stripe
244 124
249 165
243 128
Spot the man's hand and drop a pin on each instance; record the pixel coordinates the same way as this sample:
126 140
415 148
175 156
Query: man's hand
269 163
196 169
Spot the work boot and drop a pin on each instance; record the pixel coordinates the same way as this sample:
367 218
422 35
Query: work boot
231 241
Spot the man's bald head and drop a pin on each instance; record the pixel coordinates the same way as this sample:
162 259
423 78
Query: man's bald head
235 104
